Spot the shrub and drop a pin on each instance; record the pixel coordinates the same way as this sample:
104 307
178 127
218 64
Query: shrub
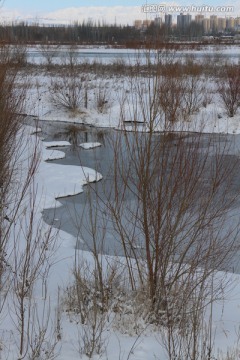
228 86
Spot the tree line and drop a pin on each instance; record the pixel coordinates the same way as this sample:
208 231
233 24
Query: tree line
80 33
95 33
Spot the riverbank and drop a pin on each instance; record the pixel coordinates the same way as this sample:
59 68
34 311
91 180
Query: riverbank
89 304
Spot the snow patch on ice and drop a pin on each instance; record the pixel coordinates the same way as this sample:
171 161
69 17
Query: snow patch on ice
62 181
90 145
52 144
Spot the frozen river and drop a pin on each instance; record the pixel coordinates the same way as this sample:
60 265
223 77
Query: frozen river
73 216
107 55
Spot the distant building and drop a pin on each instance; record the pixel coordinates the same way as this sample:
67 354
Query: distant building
206 25
183 21
213 23
199 19
168 20
237 29
237 23
146 23
158 21
221 24
138 24
230 23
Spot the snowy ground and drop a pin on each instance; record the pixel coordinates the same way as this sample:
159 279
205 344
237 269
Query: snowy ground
121 341
55 181
120 102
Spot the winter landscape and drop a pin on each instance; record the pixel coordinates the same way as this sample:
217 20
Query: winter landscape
120 203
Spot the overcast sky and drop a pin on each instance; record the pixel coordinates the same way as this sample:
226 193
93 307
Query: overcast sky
110 11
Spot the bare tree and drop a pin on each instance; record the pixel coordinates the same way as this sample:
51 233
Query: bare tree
25 246
11 103
169 207
67 91
49 51
171 91
193 97
228 86
32 252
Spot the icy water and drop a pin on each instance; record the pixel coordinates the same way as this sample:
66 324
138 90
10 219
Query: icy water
108 55
75 216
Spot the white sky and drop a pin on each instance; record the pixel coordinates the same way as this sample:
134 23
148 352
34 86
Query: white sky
119 11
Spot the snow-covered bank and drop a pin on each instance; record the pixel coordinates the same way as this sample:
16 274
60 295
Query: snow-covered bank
60 180
125 336
122 337
122 107
119 342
